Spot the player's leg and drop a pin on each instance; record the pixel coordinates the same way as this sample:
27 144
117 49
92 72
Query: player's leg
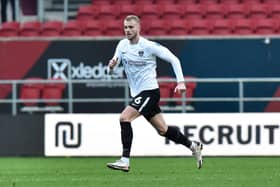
127 116
175 135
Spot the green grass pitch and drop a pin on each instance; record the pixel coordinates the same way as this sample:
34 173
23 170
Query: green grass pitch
145 172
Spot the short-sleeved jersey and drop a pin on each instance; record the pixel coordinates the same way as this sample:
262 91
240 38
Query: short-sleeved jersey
139 61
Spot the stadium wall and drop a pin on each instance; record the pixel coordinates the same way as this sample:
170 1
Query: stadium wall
22 135
202 58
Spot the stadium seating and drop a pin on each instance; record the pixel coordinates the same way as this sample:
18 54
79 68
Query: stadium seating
214 11
243 26
72 28
200 27
194 11
10 29
31 91
103 2
31 28
128 9
265 26
257 10
122 2
53 91
171 11
113 28
149 12
108 12
178 27
93 28
156 27
186 2
51 28
221 27
230 1
86 12
168 2
236 11
274 10
146 2
215 14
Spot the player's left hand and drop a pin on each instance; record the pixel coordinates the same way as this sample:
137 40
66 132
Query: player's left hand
180 88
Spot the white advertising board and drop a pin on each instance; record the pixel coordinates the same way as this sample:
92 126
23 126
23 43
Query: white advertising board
223 134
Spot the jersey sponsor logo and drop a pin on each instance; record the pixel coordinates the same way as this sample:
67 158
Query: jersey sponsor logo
140 53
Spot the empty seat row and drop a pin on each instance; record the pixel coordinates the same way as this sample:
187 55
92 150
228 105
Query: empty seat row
214 27
56 28
151 27
35 90
163 11
179 1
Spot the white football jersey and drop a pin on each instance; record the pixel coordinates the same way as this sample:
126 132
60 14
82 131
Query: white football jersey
139 61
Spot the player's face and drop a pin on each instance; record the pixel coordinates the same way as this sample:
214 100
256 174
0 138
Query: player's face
131 29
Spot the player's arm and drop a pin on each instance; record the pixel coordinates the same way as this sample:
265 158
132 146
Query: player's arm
166 55
114 61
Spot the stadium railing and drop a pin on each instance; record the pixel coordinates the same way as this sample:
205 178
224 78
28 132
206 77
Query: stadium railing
14 100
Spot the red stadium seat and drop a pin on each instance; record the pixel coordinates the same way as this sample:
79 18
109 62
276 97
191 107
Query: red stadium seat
51 28
243 26
194 11
230 1
186 2
149 12
252 1
274 10
265 26
157 28
108 12
257 10
10 29
221 27
178 27
113 28
146 2
72 28
102 2
86 12
128 9
93 28
235 11
122 2
169 2
271 1
200 27
31 91
32 28
214 11
208 1
53 91
171 11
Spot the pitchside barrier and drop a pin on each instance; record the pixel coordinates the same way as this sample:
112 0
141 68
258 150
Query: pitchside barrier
223 134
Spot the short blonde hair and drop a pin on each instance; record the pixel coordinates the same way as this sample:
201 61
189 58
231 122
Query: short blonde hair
132 17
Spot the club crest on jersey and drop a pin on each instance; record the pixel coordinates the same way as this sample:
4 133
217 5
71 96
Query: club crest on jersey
141 53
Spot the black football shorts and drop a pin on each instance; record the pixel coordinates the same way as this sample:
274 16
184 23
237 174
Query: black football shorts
147 103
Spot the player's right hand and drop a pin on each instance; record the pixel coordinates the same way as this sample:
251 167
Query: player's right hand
112 63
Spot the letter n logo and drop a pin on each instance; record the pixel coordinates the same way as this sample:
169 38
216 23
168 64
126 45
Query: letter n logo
68 134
